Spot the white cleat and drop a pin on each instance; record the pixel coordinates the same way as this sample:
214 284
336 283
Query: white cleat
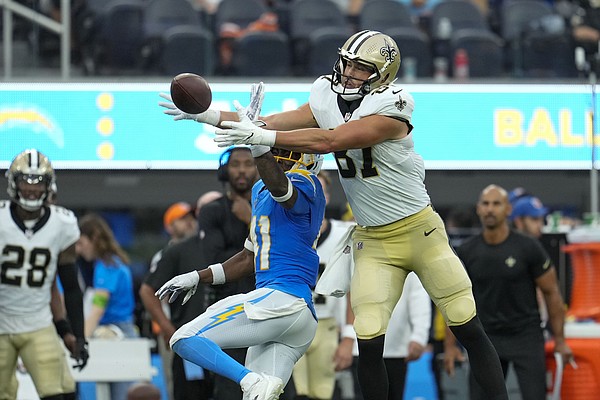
261 387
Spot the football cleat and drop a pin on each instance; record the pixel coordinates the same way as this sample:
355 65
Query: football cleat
261 387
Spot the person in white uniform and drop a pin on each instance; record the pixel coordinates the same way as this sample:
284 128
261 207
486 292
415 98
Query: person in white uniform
37 240
361 116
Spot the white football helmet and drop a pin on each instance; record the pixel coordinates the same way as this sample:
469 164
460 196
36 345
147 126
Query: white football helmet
375 50
309 162
31 167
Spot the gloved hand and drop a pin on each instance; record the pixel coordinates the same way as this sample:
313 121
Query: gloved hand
80 354
257 95
243 132
184 282
209 116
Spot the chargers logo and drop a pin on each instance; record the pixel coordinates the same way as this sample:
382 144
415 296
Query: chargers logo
32 119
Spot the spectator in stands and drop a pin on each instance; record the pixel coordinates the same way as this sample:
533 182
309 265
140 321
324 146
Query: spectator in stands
113 300
585 23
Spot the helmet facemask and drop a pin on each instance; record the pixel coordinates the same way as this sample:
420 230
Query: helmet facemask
291 160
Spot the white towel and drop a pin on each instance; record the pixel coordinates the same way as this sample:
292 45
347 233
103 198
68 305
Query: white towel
335 280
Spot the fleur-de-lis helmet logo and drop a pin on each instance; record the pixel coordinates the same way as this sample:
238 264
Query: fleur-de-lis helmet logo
388 52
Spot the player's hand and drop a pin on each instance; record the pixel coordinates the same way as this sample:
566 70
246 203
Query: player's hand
452 355
80 354
171 108
343 354
257 95
415 350
211 117
243 132
181 283
70 342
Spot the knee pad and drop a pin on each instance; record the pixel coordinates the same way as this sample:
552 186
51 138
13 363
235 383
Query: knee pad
460 308
368 321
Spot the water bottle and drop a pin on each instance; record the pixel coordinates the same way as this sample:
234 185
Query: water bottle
461 64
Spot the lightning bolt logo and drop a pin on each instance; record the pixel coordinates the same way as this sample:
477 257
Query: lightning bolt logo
226 315
230 313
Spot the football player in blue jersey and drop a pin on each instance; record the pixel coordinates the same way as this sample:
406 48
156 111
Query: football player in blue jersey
277 320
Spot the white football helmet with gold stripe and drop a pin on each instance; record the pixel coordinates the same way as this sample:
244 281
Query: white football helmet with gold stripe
375 50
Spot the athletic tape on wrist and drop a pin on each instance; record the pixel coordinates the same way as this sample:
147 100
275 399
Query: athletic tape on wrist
348 332
248 245
287 196
218 274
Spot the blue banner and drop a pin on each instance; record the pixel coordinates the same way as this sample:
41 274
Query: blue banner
121 126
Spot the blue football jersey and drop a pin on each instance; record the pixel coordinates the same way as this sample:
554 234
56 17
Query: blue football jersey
285 254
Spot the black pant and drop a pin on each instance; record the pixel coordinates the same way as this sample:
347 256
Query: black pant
525 350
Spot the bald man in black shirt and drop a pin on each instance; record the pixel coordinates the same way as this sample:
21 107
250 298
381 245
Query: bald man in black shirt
505 268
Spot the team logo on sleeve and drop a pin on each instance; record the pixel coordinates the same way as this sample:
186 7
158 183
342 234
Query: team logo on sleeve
400 103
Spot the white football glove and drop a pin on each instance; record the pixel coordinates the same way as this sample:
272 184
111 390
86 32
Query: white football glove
181 283
209 116
257 95
243 132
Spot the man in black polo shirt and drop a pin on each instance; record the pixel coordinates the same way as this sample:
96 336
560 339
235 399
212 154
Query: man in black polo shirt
505 268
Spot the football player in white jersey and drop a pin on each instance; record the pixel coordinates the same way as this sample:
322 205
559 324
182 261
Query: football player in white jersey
37 240
361 116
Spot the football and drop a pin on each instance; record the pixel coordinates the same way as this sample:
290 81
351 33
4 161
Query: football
191 93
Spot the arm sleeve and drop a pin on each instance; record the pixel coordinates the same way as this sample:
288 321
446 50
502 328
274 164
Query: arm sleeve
73 297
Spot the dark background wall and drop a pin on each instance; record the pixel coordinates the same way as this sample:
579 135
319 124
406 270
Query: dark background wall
157 189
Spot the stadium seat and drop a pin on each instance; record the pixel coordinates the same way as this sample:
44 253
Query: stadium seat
462 14
306 17
239 12
323 47
485 51
160 15
187 48
262 54
415 44
517 20
453 15
116 42
382 15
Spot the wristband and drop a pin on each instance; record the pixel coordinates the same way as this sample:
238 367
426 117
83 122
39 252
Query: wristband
212 117
348 332
248 245
287 196
63 327
218 274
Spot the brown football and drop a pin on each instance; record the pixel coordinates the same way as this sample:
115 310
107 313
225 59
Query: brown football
191 93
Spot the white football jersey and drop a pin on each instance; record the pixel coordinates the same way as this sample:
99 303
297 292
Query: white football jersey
28 265
329 306
385 182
